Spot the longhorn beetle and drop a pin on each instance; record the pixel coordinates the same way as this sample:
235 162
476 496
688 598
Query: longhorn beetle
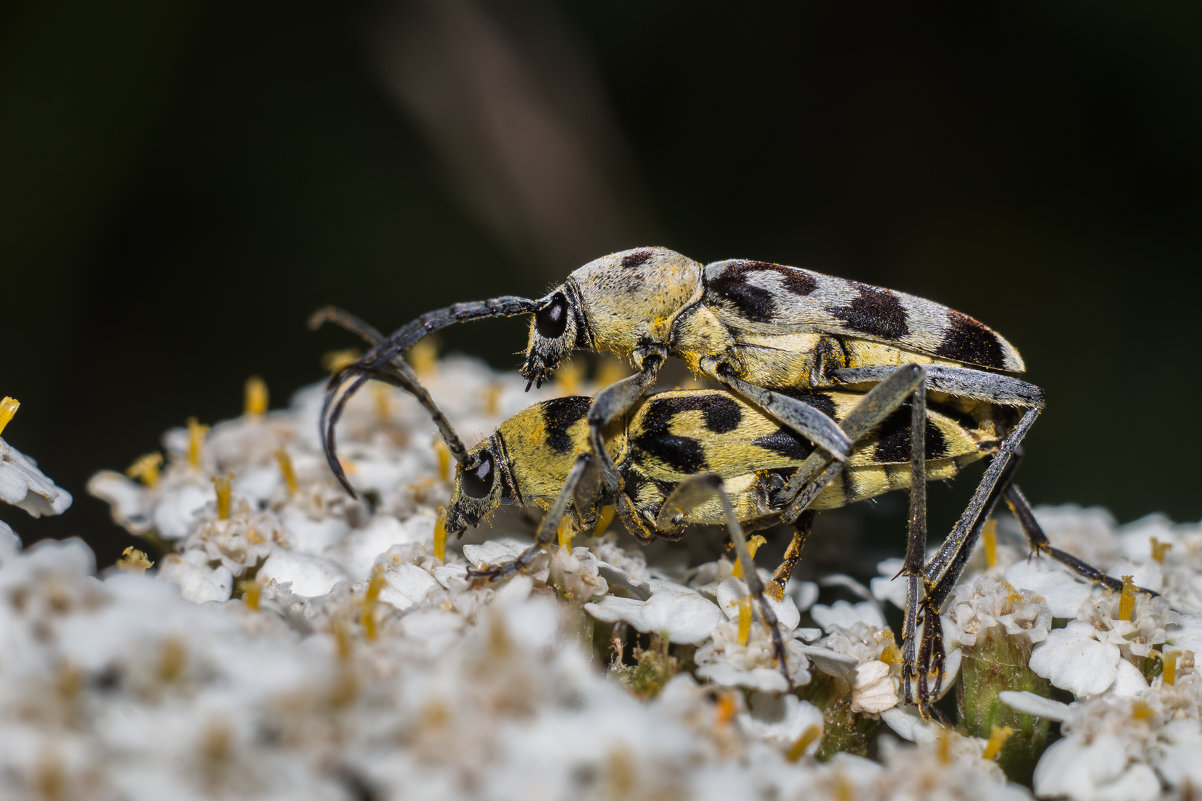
767 331
710 457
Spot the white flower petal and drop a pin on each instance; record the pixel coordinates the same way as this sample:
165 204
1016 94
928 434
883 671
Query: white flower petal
1072 660
23 485
907 724
309 575
1035 705
1060 589
844 615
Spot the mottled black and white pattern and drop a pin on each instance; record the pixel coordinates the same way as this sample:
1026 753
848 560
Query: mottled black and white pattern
769 298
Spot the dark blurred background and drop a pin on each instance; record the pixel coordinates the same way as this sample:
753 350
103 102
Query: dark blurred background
182 183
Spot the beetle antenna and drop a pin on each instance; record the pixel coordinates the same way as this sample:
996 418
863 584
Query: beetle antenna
384 363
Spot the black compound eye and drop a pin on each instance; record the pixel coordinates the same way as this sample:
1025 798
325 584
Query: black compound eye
477 482
552 319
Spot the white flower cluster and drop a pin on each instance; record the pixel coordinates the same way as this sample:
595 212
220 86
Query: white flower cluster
298 643
1135 728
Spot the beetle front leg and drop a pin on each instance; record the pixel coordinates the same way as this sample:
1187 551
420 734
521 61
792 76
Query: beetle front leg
610 404
547 529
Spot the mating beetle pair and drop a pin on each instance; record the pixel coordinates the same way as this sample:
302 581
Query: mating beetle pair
780 338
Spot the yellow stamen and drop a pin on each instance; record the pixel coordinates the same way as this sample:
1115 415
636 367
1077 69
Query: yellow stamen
1169 667
753 545
728 708
492 399
565 533
287 470
891 655
997 739
371 598
134 561
334 360
440 535
798 749
8 407
255 397
605 517
424 358
1141 710
1127 598
382 394
342 640
222 485
744 619
252 593
568 378
944 742
196 441
444 459
173 659
1159 548
146 468
989 536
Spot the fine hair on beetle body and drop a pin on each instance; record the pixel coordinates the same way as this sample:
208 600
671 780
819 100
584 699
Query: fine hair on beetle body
710 456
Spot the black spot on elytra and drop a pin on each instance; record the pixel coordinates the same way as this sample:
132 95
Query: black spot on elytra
721 415
893 438
786 442
876 312
633 480
559 415
819 400
966 340
850 486
755 302
635 258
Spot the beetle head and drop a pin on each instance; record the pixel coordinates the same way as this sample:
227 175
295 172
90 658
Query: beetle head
553 335
479 489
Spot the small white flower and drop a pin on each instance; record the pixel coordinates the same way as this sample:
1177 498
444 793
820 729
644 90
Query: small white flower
1073 659
576 574
308 575
985 602
780 720
844 616
1097 770
198 581
680 616
23 485
874 688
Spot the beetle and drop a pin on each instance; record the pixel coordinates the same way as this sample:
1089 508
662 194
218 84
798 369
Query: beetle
768 332
709 456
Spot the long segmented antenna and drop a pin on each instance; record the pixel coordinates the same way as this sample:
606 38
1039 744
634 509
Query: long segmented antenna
383 362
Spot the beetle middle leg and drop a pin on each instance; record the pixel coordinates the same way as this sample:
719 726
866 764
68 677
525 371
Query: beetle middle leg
780 577
691 493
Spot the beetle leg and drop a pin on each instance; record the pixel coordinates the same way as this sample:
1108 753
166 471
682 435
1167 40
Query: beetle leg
1021 508
963 382
780 578
945 569
547 529
691 493
818 470
797 415
608 405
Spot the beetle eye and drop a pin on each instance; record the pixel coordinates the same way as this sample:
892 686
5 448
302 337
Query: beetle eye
552 319
477 482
